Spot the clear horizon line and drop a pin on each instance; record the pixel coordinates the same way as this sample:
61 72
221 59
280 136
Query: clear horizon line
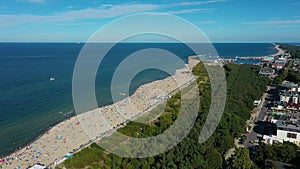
82 42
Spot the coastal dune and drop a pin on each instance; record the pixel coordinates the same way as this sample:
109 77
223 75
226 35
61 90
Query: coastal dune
80 131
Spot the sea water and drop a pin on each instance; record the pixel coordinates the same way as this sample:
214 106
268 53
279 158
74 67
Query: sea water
30 103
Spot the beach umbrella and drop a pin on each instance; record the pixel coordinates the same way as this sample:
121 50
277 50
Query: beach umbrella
59 137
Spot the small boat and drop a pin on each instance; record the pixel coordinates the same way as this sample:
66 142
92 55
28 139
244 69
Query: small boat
52 79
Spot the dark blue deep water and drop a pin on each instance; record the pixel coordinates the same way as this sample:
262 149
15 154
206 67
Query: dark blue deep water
30 103
297 44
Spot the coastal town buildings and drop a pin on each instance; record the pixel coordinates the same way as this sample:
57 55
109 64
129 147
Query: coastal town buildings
286 130
280 60
285 115
289 93
266 71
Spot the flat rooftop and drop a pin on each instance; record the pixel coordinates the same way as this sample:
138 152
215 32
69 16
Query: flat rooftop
288 125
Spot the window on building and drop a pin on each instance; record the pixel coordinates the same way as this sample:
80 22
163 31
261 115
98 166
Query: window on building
291 135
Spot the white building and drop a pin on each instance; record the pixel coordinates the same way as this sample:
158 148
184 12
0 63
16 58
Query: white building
289 97
295 99
285 98
286 131
289 86
256 102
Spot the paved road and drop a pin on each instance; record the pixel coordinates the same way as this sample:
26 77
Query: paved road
261 112
252 136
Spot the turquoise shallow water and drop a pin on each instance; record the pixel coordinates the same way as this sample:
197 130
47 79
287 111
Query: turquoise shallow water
30 103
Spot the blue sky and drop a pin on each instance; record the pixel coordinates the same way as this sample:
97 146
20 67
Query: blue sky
220 20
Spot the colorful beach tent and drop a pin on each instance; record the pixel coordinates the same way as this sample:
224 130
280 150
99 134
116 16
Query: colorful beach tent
38 166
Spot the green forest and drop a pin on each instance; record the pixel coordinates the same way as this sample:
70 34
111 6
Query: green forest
281 152
288 72
292 49
243 87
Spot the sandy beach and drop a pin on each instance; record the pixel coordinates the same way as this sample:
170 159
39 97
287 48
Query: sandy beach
79 131
280 51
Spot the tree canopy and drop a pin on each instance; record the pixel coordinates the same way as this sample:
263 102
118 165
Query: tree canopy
240 160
